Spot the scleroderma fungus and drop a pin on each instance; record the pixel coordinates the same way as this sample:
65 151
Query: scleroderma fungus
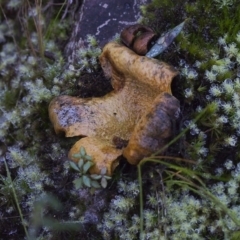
135 106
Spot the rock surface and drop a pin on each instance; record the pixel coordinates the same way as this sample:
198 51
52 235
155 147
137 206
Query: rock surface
103 19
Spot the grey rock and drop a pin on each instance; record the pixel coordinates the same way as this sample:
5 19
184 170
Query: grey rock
102 19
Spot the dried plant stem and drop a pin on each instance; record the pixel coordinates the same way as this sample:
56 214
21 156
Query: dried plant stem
14 39
16 199
38 26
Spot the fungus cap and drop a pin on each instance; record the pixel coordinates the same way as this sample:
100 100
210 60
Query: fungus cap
137 81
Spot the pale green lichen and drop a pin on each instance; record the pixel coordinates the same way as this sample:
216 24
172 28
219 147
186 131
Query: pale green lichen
175 214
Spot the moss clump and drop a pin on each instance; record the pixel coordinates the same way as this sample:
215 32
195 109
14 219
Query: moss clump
206 22
29 81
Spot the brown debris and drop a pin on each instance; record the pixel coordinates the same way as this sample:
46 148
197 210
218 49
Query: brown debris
138 38
141 44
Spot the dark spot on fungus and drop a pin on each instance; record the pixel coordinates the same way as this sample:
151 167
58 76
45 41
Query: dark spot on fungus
119 142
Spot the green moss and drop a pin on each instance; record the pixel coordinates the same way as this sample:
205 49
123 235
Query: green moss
10 98
206 65
222 77
206 23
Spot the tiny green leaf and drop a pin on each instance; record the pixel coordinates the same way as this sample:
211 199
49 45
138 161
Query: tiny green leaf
78 183
103 171
80 163
107 177
86 166
92 190
95 184
76 155
89 158
82 151
104 182
86 181
95 176
74 166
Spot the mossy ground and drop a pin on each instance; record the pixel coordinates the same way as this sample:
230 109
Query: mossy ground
207 56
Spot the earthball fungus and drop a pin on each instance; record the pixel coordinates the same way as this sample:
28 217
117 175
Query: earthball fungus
135 119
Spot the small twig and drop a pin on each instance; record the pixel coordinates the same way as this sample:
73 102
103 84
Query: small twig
15 198
169 157
14 40
164 205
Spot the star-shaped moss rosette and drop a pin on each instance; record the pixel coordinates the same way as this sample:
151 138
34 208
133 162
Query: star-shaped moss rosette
140 110
85 162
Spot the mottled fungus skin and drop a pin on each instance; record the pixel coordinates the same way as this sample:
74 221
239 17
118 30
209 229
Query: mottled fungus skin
154 129
138 82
